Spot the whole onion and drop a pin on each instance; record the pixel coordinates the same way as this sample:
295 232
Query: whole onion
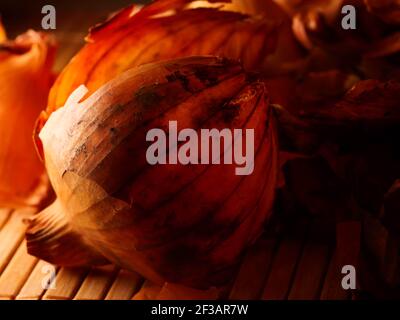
179 223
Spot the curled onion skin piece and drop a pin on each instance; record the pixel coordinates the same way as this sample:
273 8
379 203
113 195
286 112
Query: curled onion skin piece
387 10
165 29
26 77
186 224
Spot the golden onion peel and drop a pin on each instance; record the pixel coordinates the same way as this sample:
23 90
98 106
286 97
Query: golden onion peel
25 80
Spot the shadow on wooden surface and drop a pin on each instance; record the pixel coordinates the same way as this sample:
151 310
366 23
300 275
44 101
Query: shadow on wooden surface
283 264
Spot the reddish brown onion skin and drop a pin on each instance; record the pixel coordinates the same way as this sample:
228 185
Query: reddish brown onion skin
181 224
128 40
25 81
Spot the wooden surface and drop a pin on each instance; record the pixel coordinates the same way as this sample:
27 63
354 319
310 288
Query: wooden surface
279 266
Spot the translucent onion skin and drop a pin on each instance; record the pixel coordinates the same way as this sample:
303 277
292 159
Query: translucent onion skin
25 80
186 224
155 33
3 35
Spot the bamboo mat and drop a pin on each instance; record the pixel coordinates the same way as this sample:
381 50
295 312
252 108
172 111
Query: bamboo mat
277 267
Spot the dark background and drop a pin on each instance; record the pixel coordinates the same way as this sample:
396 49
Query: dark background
73 19
19 15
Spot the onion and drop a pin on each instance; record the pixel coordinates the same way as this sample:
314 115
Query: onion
25 79
165 29
388 10
186 224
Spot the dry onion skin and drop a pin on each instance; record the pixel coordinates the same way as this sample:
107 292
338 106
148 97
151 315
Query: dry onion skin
25 80
336 64
182 224
388 10
3 35
165 29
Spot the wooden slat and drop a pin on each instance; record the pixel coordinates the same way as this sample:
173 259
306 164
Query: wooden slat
177 292
96 284
68 282
11 236
16 273
347 253
283 269
332 289
310 272
251 278
268 270
33 288
125 286
4 215
148 291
